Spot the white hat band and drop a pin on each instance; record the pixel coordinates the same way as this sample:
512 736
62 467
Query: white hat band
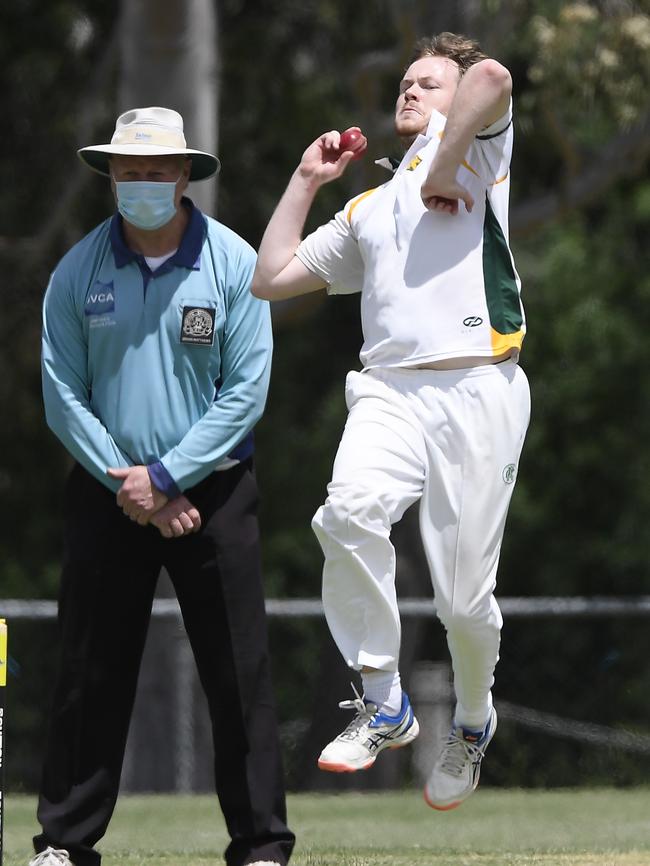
149 135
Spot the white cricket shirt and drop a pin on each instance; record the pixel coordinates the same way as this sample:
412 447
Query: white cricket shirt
433 286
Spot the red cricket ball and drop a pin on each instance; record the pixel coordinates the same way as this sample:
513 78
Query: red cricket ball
353 139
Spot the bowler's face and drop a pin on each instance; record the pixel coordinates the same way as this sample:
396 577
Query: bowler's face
428 84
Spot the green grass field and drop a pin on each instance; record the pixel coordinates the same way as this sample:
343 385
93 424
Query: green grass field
495 828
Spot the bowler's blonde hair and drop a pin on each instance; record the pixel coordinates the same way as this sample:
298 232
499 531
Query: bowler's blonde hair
463 50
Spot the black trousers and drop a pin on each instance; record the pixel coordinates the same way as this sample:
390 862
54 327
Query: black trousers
110 570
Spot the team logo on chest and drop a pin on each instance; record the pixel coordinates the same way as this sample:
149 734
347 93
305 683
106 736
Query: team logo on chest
100 299
197 326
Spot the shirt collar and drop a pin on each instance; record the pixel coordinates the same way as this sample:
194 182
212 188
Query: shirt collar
390 163
435 128
436 125
188 254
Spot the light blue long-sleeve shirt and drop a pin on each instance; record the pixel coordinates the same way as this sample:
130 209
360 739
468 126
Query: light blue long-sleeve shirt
168 369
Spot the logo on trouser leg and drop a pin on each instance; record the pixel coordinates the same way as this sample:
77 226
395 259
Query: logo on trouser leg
509 473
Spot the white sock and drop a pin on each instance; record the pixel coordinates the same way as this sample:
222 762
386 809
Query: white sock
384 689
476 721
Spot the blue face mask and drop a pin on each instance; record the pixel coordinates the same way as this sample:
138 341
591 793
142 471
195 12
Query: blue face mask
146 204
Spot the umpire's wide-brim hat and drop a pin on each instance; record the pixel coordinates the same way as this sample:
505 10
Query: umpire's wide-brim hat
149 132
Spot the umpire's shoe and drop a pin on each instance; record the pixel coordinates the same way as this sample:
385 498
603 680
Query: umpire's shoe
52 857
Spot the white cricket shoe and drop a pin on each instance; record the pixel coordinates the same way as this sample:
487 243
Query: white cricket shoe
367 735
456 772
52 857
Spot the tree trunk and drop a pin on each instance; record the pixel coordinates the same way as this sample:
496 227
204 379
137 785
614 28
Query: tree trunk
168 57
169 54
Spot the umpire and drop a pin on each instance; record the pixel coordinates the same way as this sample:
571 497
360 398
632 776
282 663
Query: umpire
156 362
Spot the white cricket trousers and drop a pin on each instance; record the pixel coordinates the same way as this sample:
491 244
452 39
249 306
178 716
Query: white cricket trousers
451 439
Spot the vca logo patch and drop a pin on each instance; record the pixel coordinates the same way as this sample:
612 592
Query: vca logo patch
198 326
100 299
